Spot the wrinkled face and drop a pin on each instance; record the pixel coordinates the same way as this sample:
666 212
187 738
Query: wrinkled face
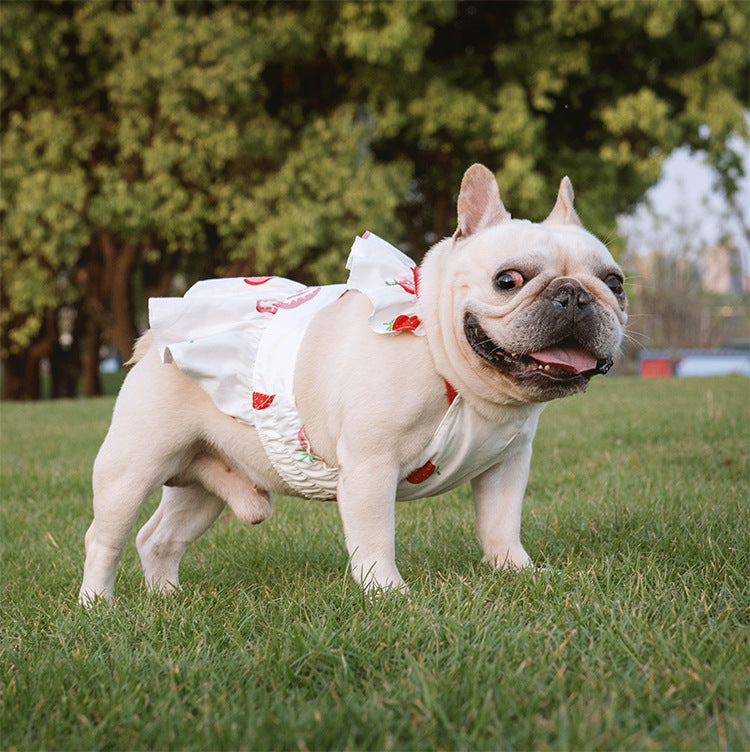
537 310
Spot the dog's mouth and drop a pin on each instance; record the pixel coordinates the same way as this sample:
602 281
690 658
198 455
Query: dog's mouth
562 361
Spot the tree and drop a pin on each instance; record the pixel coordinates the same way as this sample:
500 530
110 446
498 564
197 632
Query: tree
143 145
145 141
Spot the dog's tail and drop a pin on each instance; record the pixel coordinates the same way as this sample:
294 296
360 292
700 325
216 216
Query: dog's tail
142 345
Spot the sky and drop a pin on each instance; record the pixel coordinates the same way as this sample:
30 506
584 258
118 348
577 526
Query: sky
683 207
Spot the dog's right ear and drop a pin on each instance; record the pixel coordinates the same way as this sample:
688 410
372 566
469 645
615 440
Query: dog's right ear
563 212
479 204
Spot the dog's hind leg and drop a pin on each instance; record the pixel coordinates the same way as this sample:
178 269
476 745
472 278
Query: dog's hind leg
118 499
184 514
139 454
127 470
188 509
249 503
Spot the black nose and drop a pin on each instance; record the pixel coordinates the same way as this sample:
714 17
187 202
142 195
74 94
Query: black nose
571 295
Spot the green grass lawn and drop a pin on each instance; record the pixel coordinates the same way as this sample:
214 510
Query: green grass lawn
633 634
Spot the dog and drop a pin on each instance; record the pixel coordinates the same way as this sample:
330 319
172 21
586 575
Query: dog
403 383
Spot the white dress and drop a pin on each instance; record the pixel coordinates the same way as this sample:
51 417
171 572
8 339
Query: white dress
238 339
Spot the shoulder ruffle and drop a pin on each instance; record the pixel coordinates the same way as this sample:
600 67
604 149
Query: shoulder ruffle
390 279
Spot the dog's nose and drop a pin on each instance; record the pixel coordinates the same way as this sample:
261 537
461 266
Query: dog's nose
571 295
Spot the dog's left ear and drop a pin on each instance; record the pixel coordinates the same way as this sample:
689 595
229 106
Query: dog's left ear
479 204
563 212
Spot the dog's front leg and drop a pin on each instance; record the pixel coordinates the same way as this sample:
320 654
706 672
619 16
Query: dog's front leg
367 505
498 498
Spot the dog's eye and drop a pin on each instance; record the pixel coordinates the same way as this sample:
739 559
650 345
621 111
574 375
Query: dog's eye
614 282
509 280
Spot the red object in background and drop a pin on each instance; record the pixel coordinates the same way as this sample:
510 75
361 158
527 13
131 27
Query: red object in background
656 368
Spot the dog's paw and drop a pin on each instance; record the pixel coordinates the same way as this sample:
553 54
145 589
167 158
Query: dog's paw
90 598
161 585
253 507
375 588
378 577
512 557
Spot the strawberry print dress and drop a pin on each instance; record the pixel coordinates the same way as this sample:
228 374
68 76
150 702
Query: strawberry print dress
239 338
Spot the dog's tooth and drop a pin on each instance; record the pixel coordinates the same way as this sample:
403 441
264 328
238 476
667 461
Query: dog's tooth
546 368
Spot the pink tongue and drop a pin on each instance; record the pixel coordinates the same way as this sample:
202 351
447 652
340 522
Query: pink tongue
575 359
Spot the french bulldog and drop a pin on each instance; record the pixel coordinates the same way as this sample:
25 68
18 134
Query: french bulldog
505 316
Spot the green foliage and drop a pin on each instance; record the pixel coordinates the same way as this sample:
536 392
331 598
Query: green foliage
633 634
304 223
233 137
42 202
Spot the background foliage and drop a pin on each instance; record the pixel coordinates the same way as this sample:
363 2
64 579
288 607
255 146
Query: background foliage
146 142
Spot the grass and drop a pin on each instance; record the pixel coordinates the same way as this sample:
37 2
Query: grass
634 635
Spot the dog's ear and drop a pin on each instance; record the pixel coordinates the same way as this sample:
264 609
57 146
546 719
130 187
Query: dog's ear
479 203
563 212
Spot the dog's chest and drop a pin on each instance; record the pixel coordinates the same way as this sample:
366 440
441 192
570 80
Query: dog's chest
463 445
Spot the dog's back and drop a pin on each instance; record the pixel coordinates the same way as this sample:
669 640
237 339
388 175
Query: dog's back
141 347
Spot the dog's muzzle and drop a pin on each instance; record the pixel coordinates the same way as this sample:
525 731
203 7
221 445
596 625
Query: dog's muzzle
565 360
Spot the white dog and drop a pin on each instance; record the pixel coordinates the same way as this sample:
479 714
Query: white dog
402 383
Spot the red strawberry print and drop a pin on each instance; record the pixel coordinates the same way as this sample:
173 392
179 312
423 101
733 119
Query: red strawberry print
450 392
404 324
407 285
256 280
411 285
293 301
421 474
306 454
266 306
302 438
296 300
262 401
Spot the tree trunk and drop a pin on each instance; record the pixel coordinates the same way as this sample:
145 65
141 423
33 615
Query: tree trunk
92 383
119 264
105 283
21 371
21 375
445 215
15 383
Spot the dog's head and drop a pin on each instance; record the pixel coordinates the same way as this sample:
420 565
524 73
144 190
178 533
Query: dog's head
518 311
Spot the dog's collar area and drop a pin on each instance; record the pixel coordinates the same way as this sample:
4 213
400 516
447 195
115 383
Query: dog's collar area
563 361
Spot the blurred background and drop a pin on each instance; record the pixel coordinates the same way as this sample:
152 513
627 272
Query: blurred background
146 145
